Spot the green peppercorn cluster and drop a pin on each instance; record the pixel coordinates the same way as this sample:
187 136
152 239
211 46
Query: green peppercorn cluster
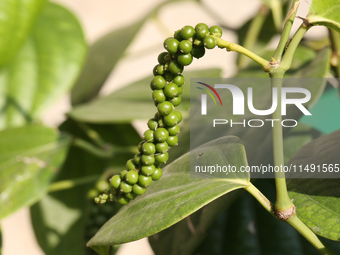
167 87
98 215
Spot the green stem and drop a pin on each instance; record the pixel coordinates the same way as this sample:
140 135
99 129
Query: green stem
106 152
286 31
276 7
92 149
283 201
67 184
307 233
294 221
238 48
261 199
93 135
289 54
125 149
252 34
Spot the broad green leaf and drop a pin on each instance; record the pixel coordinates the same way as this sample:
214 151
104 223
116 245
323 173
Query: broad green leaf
30 157
317 201
175 196
61 221
318 67
179 238
303 55
325 13
131 102
44 68
17 19
296 138
68 230
102 58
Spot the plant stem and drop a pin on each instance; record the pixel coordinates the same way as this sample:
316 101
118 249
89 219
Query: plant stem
307 233
92 149
106 152
67 184
253 33
261 198
286 31
294 221
276 7
238 48
289 54
283 201
93 135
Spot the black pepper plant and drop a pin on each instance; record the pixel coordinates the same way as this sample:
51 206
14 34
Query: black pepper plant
167 85
94 183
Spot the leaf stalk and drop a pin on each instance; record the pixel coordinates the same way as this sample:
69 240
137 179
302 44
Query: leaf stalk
229 46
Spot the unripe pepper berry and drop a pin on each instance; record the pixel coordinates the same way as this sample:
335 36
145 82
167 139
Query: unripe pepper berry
187 32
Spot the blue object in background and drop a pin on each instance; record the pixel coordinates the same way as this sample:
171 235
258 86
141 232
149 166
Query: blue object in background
325 113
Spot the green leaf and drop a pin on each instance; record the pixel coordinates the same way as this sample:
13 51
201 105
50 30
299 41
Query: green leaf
318 67
30 157
179 238
303 55
43 69
102 58
61 218
325 13
296 139
133 102
61 221
175 196
17 19
317 201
